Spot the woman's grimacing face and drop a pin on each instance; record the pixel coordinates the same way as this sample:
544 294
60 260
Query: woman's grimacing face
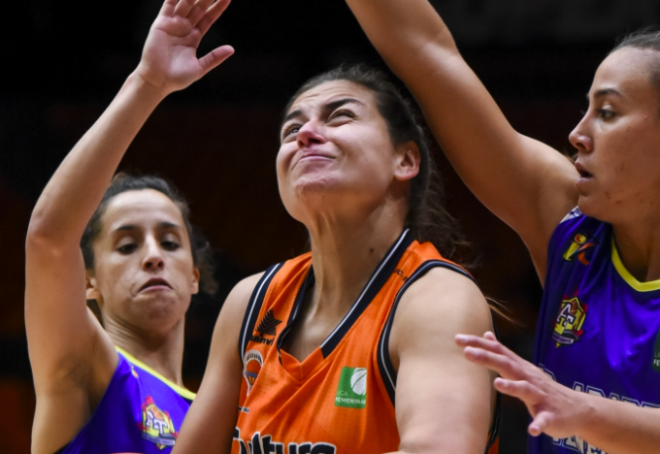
618 140
144 273
336 151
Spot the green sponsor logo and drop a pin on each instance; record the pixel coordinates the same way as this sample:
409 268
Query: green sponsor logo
352 389
656 354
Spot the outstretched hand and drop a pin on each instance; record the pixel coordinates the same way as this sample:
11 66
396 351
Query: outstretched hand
169 59
556 409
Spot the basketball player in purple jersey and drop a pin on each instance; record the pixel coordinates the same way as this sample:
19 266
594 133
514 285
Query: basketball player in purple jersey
117 388
597 385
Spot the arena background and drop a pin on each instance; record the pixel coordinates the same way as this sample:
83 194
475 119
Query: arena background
64 61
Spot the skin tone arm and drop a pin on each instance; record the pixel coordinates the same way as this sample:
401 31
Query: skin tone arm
436 386
210 422
72 357
612 426
527 184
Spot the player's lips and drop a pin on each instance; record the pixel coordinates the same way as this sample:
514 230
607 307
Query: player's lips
156 283
314 153
584 174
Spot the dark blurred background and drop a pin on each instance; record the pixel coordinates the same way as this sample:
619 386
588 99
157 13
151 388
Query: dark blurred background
63 61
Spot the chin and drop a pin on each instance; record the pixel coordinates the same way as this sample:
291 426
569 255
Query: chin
592 207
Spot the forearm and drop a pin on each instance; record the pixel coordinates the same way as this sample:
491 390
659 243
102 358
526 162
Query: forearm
619 427
75 190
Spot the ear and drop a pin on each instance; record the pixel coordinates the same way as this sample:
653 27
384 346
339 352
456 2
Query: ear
92 292
407 162
194 286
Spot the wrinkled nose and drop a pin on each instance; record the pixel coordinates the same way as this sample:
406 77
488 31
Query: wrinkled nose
581 139
310 134
153 260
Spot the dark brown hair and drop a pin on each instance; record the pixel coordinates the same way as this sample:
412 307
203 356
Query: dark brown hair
427 217
645 38
201 250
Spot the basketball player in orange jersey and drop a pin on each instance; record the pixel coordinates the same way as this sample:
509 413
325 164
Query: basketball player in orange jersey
349 348
117 387
597 348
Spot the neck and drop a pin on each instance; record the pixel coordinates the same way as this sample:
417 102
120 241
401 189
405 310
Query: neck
639 248
345 253
163 352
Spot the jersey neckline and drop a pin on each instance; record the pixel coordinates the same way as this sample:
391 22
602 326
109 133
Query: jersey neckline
183 392
380 276
629 278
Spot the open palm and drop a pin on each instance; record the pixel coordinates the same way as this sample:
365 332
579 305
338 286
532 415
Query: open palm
169 59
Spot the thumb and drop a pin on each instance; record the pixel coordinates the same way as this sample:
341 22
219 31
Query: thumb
215 57
540 424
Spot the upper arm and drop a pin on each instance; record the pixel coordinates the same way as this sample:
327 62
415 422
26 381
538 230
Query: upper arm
443 402
526 183
68 347
211 420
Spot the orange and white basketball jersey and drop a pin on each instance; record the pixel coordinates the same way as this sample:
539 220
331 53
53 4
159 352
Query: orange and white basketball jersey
340 399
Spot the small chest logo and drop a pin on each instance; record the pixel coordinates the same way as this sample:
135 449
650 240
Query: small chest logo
267 327
157 425
568 326
578 249
253 362
656 354
352 389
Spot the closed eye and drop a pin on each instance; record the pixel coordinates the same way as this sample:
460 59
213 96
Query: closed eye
170 245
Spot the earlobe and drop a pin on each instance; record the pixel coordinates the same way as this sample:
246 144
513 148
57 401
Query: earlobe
408 161
194 288
91 289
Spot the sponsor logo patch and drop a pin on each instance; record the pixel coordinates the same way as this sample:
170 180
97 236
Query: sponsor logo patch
352 388
266 328
568 326
156 425
578 249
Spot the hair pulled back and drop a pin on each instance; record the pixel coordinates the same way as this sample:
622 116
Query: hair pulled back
201 250
427 217
645 38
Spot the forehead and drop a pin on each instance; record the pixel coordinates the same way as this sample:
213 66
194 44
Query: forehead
329 91
629 71
144 207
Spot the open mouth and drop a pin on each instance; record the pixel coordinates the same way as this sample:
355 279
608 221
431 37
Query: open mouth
155 282
581 170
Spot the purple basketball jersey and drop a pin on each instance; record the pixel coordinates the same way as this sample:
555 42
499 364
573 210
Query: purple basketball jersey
598 326
140 412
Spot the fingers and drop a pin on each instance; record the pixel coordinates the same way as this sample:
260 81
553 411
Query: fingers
542 421
489 343
215 57
212 14
198 11
506 367
184 7
521 389
168 8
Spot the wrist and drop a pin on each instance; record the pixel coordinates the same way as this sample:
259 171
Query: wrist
144 89
588 413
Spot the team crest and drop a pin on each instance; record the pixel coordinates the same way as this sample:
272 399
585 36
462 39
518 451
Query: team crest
578 249
568 327
253 361
156 425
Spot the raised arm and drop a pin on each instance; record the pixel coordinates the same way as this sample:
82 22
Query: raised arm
527 184
444 403
72 358
210 422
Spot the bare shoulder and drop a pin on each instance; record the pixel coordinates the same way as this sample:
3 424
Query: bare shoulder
439 305
228 327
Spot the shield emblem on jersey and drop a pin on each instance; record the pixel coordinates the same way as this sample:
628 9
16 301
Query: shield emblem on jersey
568 326
253 361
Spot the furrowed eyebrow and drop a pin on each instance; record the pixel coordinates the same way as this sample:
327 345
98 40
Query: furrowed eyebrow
340 102
605 92
161 225
328 107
